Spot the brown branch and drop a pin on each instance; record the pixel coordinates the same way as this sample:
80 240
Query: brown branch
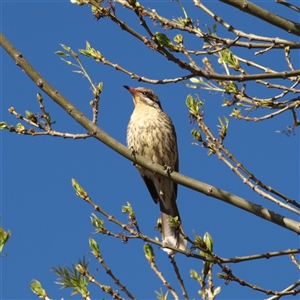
288 289
231 277
179 278
272 115
266 255
267 16
240 33
294 261
105 61
107 289
110 273
64 135
162 278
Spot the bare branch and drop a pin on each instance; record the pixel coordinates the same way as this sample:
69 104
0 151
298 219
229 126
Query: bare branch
266 255
162 278
288 289
255 10
179 278
110 273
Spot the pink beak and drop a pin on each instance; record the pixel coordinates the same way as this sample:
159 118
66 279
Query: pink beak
132 90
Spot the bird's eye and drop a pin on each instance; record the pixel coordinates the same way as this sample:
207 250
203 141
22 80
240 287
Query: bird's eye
146 94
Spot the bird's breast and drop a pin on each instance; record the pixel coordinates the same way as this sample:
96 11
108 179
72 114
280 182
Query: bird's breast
151 133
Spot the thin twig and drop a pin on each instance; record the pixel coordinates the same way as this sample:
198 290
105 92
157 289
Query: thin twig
288 289
162 278
266 255
294 260
105 288
110 273
179 278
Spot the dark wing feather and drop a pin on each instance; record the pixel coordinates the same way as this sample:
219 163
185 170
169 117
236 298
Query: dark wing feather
174 183
151 188
176 167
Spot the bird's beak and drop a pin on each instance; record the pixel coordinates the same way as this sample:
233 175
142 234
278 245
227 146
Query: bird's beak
133 92
130 89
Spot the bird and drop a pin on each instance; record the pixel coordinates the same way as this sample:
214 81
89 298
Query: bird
151 134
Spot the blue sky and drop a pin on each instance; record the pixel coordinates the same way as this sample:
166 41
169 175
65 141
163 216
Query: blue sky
51 226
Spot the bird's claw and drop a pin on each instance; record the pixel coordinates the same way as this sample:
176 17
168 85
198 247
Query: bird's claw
133 151
168 169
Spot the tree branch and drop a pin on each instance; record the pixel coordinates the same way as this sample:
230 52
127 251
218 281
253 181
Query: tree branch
257 11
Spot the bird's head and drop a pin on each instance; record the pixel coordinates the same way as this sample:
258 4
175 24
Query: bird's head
144 96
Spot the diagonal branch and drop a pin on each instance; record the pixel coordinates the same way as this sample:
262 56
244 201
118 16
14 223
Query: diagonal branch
257 11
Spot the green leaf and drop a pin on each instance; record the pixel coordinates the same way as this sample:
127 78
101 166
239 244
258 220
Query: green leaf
20 128
68 49
37 288
94 246
195 275
228 57
39 97
66 61
4 236
235 113
161 295
199 242
215 27
80 192
3 125
193 105
149 252
217 291
47 117
30 116
97 223
61 53
127 209
75 54
196 80
178 39
165 41
196 134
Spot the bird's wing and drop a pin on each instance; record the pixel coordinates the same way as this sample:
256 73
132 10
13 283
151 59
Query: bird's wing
151 188
176 169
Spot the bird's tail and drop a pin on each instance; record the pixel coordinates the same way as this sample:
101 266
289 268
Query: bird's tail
170 235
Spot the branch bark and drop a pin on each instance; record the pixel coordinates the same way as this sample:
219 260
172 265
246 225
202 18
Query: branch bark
265 15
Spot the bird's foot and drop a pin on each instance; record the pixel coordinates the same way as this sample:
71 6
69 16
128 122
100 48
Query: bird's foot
133 151
168 169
